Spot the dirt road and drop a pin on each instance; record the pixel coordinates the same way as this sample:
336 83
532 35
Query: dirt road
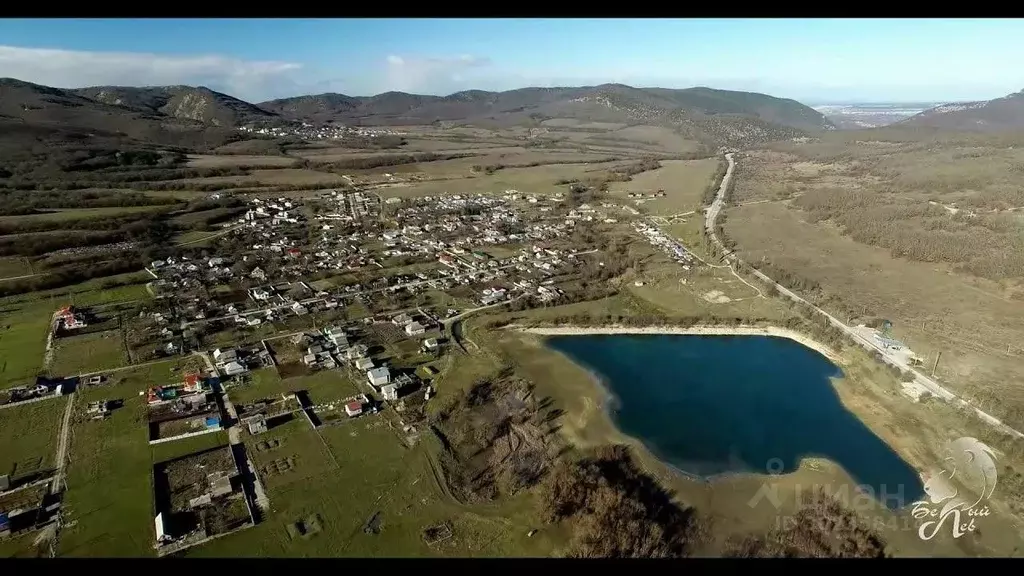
920 379
62 446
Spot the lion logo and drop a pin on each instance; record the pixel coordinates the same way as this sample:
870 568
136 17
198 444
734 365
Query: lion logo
961 488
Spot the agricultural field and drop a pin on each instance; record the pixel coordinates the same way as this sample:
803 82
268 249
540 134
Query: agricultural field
14 267
88 353
547 179
110 486
23 330
265 177
220 161
357 491
71 215
29 436
682 181
323 386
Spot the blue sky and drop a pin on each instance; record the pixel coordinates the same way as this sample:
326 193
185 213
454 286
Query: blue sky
812 60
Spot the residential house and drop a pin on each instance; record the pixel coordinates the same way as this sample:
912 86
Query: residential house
233 368
379 376
414 329
221 356
337 337
364 364
354 408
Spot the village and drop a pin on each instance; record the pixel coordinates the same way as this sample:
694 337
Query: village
328 309
312 132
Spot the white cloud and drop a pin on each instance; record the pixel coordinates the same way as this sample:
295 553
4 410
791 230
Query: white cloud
252 80
432 75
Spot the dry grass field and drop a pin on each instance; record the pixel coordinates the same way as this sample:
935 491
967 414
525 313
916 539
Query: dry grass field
540 180
683 182
281 177
923 233
221 161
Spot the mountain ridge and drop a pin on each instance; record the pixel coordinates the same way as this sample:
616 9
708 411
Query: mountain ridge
995 115
719 117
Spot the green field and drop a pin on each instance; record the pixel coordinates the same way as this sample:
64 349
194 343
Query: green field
21 547
373 474
14 267
73 214
25 321
88 353
23 330
323 386
130 286
28 435
683 182
110 485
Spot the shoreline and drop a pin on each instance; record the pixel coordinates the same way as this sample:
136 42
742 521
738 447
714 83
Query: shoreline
608 398
700 330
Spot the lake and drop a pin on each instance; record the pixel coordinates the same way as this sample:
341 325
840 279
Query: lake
711 405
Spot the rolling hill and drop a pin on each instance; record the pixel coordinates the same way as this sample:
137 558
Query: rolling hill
197 116
721 116
1000 114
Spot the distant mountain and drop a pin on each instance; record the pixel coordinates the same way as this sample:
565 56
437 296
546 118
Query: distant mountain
184 102
704 113
36 117
1006 113
173 115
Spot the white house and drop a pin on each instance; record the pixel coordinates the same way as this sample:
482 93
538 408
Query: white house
379 376
233 368
224 356
337 337
414 329
390 392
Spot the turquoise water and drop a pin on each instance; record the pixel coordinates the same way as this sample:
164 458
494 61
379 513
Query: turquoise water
711 405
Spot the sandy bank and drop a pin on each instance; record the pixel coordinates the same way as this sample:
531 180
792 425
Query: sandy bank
691 330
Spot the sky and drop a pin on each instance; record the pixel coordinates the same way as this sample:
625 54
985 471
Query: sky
816 61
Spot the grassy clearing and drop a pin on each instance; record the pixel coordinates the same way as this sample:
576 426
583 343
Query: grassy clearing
535 180
683 182
29 436
374 474
75 214
88 353
654 136
322 386
216 161
89 293
23 331
464 167
110 484
280 177
13 267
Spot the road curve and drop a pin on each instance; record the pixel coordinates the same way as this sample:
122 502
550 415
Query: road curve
920 379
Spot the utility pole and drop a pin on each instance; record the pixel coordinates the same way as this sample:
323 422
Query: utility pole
937 356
